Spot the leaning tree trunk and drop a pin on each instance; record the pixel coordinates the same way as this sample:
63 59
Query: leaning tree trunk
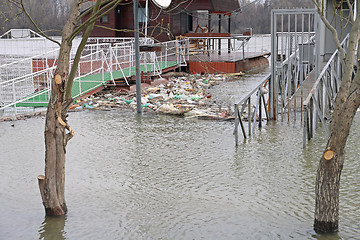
330 167
52 184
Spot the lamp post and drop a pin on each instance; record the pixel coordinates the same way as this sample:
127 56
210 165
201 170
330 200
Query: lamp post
137 57
161 4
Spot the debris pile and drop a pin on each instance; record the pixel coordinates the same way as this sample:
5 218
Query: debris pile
185 95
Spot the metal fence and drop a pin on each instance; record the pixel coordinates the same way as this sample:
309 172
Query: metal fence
294 53
245 110
320 102
97 59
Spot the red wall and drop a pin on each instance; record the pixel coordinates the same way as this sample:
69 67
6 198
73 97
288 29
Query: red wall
162 22
102 32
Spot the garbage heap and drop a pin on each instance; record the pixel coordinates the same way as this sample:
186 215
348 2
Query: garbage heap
186 95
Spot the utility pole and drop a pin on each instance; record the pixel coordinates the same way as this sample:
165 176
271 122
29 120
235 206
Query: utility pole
137 57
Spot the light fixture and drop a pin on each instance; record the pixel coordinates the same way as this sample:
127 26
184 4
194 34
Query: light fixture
162 3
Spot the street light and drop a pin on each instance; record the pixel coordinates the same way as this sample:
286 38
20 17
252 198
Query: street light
161 4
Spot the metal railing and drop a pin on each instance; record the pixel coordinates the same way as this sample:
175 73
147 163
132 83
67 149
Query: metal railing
99 59
257 43
209 45
294 53
293 71
244 109
320 102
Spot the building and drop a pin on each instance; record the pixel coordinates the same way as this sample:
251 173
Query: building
181 17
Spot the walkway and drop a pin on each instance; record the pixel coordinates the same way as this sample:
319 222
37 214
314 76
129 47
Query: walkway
100 64
89 83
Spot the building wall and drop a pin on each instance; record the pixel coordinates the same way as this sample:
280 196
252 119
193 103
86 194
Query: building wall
102 32
159 25
333 16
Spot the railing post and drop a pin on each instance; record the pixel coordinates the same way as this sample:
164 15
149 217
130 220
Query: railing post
102 67
236 132
272 92
305 124
14 96
311 119
249 115
260 110
79 71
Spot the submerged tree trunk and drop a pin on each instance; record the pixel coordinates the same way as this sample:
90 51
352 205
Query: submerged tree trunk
330 167
346 104
53 183
57 130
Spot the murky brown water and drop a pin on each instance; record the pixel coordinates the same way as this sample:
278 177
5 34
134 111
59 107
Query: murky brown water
164 177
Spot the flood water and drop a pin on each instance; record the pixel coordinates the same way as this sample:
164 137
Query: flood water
164 177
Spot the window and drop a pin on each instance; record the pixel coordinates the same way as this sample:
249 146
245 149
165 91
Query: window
342 4
142 15
104 19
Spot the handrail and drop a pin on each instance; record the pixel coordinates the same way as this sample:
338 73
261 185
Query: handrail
97 58
322 95
307 100
261 106
29 58
23 30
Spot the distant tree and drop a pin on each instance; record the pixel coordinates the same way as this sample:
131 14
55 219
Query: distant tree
257 14
49 15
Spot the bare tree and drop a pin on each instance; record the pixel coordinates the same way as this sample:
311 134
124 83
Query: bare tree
57 130
49 15
256 14
346 104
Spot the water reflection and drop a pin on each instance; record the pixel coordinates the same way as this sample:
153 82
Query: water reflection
52 228
329 236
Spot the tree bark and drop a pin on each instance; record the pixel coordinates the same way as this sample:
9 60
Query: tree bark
346 104
52 186
57 130
330 167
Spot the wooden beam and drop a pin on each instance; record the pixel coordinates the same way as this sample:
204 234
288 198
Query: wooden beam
150 48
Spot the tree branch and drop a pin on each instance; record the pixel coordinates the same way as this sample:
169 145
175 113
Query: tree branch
141 33
36 26
331 28
78 54
351 11
95 17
